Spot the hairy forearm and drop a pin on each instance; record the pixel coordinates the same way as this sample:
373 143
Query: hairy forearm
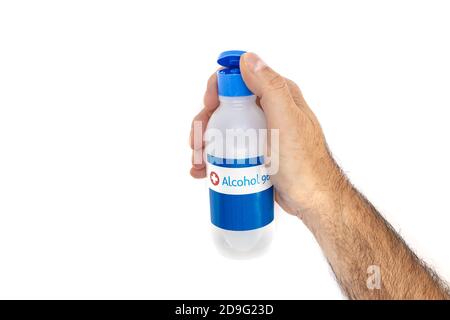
368 257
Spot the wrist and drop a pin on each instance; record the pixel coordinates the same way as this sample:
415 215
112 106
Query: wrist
321 205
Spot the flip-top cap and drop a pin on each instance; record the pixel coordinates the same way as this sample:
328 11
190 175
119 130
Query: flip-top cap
229 79
230 58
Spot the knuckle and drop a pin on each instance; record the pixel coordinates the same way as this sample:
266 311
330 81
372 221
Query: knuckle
293 86
276 82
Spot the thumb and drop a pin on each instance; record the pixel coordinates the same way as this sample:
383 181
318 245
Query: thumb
269 86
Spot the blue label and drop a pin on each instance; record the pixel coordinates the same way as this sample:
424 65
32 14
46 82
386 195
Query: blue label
241 193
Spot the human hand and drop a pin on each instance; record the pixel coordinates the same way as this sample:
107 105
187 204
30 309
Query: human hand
307 176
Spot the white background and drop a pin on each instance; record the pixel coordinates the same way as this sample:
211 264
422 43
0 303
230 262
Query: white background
96 100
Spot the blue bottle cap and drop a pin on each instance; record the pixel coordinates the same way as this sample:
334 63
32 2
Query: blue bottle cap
229 79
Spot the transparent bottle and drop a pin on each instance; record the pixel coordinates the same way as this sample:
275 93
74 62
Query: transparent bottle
241 193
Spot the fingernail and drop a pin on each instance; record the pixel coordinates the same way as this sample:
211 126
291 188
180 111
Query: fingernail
254 62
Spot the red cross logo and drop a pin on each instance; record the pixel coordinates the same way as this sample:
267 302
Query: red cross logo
214 177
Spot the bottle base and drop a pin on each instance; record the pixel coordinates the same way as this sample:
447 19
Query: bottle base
243 244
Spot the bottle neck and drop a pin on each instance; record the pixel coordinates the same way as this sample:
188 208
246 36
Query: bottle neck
237 101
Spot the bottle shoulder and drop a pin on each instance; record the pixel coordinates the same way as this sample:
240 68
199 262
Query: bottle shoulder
248 116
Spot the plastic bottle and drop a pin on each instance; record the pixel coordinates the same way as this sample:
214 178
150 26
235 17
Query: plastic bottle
241 193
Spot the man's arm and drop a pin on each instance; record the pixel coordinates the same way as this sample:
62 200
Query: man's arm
370 260
353 236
